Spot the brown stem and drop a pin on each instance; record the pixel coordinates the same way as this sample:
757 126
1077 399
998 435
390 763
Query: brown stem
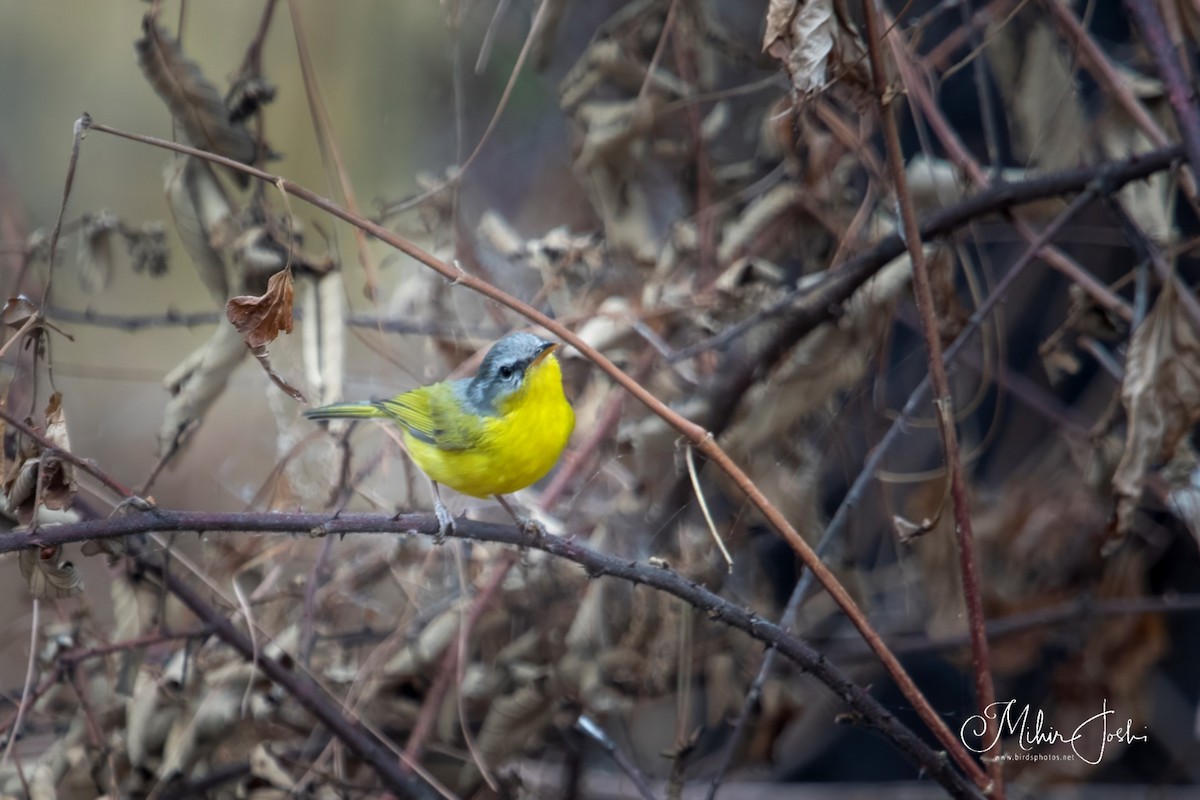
981 661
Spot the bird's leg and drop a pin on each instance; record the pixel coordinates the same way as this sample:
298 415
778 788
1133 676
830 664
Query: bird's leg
527 524
445 521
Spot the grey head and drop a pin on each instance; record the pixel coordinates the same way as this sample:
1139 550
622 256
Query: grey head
502 371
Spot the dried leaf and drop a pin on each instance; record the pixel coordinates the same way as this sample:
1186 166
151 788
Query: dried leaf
35 474
801 35
1161 395
19 488
193 101
260 319
49 576
57 476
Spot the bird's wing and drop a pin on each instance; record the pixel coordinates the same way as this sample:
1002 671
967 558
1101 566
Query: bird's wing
434 415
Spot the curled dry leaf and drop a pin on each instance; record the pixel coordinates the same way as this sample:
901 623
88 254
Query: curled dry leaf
800 34
193 101
260 319
36 475
1161 395
49 575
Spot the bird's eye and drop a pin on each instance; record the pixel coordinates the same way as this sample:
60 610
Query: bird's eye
506 372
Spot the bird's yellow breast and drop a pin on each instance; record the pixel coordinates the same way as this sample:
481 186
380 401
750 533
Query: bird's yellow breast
513 449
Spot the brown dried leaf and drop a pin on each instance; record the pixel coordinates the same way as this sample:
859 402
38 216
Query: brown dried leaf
193 101
1161 395
260 319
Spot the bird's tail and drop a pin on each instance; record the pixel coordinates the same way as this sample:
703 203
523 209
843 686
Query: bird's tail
345 411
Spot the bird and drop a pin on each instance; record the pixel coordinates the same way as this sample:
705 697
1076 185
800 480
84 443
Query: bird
485 436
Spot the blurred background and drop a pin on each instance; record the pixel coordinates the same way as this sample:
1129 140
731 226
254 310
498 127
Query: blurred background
653 178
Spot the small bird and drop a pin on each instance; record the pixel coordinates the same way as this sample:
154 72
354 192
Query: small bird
489 435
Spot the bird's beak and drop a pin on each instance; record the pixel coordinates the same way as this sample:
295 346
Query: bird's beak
549 348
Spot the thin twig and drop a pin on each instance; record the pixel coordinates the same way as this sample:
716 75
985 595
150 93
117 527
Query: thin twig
175 319
1074 611
590 729
985 692
535 26
81 129
690 459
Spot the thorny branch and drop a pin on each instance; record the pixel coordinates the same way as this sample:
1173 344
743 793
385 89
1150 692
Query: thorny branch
595 563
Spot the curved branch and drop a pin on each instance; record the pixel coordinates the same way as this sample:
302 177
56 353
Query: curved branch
867 709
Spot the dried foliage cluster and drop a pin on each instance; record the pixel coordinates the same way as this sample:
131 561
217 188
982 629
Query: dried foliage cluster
743 265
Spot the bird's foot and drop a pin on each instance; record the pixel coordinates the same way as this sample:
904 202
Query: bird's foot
445 522
531 527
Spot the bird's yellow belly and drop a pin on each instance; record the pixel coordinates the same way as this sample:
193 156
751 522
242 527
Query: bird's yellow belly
513 452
